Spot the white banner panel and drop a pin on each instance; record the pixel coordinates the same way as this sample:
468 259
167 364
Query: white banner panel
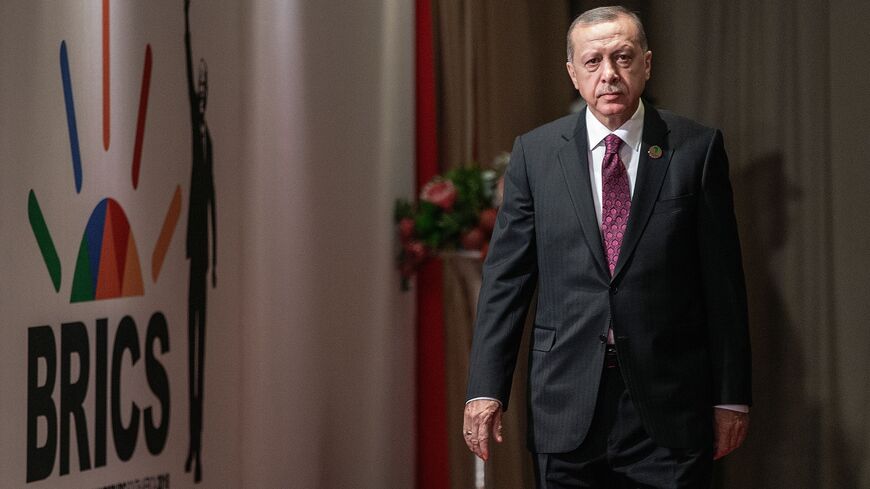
119 349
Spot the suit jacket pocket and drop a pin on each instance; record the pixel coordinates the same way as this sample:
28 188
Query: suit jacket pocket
543 338
674 204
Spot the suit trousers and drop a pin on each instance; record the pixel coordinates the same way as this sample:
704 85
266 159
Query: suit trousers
618 453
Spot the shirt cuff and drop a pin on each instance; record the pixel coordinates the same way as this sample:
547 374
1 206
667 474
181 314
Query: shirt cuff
740 408
484 399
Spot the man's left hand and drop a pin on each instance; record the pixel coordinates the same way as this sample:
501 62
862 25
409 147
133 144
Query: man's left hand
729 431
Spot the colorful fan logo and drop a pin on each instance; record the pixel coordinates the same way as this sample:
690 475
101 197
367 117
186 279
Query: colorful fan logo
108 264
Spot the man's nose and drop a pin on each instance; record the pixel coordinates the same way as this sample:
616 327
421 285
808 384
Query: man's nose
608 72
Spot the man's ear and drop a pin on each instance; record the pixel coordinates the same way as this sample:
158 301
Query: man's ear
647 63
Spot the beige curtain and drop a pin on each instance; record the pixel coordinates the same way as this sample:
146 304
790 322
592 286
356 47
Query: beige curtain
501 72
327 368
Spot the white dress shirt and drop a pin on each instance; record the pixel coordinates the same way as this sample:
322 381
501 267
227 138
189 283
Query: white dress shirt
629 151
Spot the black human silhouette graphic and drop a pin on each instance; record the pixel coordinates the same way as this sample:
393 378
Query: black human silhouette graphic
201 209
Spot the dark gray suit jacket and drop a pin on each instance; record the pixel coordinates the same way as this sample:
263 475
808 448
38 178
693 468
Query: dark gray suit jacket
676 302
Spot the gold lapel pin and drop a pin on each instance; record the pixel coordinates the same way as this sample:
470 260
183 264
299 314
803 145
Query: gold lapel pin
654 152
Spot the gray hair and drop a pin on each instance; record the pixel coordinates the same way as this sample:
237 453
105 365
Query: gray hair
606 14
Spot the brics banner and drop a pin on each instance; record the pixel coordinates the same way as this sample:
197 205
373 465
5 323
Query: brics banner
116 124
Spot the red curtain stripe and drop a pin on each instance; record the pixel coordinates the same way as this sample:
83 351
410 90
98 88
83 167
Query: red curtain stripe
432 456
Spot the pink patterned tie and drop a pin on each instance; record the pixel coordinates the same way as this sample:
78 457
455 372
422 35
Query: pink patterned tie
615 200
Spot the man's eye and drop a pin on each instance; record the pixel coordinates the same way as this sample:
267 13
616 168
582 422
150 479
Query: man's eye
623 58
592 63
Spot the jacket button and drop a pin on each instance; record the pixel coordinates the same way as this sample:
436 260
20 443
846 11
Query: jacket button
614 289
602 338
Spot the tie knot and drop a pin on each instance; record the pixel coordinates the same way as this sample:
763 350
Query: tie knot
611 144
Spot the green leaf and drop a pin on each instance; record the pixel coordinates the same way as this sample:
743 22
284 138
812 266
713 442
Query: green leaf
425 225
450 226
402 210
433 239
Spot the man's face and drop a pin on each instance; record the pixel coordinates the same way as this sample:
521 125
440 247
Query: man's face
609 69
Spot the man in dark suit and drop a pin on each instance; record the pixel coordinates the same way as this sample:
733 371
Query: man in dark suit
621 217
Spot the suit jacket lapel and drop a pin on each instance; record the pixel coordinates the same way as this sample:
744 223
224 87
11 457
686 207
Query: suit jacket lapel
650 176
575 166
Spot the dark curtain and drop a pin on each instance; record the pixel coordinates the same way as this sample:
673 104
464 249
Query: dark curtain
778 77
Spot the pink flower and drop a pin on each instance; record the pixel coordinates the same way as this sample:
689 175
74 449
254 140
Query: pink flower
406 229
439 192
415 251
473 239
486 221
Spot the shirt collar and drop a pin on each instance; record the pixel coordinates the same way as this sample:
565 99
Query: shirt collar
630 132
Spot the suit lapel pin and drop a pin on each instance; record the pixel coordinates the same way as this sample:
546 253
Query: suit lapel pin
654 152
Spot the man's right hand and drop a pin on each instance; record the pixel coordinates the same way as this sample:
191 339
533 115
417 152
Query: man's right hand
482 417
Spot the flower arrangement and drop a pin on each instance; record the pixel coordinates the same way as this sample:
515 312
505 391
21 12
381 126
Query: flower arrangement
455 211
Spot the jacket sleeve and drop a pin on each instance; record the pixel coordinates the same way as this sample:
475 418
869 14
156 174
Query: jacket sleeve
723 282
509 279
